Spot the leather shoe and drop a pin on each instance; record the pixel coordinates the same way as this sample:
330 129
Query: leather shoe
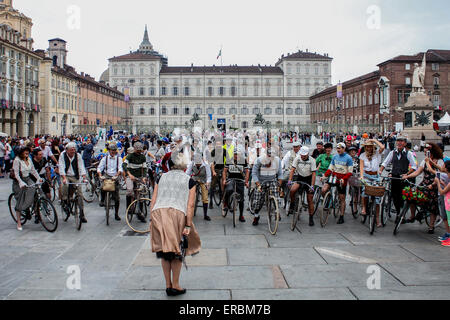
83 219
176 292
207 218
102 204
241 219
118 218
256 221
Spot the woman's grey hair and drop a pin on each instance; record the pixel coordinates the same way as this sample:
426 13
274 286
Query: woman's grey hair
180 157
71 145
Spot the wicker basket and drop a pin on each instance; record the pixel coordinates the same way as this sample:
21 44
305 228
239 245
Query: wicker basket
374 191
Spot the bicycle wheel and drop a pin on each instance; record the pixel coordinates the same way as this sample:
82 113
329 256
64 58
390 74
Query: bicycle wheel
354 202
336 205
385 209
77 214
197 199
296 215
136 208
55 189
316 199
251 202
107 204
47 215
12 210
326 208
88 191
399 219
217 195
372 216
273 214
233 208
427 216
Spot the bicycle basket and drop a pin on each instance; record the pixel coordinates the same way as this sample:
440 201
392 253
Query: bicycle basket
374 191
109 186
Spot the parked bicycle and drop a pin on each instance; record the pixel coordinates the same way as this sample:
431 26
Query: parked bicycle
373 189
301 203
42 209
330 202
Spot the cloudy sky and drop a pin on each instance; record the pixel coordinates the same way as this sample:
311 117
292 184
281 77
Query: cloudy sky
358 34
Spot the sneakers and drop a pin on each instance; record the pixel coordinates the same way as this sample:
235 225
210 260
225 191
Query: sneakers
256 221
341 220
446 243
241 219
445 237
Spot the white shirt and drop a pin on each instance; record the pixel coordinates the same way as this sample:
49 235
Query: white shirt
374 165
24 169
207 169
62 166
285 163
47 152
2 150
304 168
113 166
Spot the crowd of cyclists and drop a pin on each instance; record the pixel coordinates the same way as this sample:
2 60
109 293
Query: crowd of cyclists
227 164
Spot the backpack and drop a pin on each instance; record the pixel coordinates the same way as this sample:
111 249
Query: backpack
12 154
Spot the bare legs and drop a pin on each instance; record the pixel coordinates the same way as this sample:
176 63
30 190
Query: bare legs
172 271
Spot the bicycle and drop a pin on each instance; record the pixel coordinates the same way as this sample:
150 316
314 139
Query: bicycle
301 203
233 200
110 195
74 206
42 209
373 189
273 213
139 208
355 195
93 188
330 201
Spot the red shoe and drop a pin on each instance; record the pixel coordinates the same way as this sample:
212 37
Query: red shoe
446 243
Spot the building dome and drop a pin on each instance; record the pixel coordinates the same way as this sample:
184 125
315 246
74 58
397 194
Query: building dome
105 76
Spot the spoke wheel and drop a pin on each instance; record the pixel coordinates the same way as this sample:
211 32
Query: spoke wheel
273 214
355 202
251 202
326 208
217 195
233 208
372 216
296 215
316 199
12 210
107 204
385 209
88 192
136 208
47 215
399 219
77 213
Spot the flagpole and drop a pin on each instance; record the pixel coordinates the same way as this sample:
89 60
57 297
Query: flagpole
221 56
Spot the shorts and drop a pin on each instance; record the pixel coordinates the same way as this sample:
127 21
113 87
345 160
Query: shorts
2 162
308 180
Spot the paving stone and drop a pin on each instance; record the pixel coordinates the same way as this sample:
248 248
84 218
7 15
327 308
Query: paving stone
351 254
138 295
237 241
429 253
34 294
298 240
274 256
419 273
403 293
229 277
332 276
206 257
293 294
364 238
31 261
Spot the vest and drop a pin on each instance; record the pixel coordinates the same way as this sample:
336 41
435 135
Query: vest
199 174
74 165
173 191
401 166
291 159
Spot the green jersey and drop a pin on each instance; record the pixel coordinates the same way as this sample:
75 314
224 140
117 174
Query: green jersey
324 162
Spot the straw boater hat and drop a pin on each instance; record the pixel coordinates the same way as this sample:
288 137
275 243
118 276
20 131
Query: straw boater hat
369 143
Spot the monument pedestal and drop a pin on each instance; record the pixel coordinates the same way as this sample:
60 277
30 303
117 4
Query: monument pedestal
419 113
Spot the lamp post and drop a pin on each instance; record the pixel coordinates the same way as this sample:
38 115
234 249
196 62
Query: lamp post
383 111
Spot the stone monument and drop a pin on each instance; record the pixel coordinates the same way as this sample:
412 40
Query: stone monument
419 110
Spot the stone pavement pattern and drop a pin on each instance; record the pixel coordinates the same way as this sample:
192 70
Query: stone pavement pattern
242 263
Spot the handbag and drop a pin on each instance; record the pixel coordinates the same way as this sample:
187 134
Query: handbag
109 185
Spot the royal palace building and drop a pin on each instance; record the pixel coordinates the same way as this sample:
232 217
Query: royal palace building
163 96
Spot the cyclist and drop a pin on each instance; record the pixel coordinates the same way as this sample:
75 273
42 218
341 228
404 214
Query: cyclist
238 169
303 170
323 161
320 150
111 167
217 166
288 160
200 172
267 168
370 162
401 160
41 166
341 167
71 168
135 167
48 154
